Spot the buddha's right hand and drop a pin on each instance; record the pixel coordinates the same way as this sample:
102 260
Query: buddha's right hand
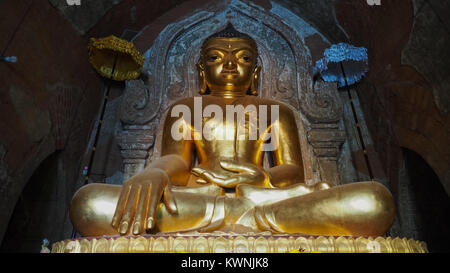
139 200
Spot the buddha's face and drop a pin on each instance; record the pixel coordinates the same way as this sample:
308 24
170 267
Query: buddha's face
228 63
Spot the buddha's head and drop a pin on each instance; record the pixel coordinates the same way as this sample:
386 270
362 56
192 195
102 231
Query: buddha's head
228 64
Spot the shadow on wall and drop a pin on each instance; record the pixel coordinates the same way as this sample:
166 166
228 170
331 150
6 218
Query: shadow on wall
430 203
39 212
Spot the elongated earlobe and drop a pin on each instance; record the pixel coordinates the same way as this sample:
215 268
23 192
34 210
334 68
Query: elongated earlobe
201 79
255 81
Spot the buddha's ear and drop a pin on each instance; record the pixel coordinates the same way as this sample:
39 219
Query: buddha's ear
201 78
255 81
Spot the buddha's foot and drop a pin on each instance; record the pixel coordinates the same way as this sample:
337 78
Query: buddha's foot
263 196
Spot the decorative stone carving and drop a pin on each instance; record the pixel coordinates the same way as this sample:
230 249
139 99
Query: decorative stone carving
284 89
137 111
326 140
322 104
138 105
134 144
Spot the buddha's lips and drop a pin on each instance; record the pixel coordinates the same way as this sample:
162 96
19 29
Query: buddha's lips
230 75
227 73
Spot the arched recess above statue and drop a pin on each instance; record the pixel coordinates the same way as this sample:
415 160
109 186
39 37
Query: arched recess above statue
286 76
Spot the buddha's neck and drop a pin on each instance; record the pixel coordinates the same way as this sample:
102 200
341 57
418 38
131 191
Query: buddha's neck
228 94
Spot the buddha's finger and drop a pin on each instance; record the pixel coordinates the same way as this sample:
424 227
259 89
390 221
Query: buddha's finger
239 179
155 197
201 181
209 177
141 212
230 182
200 172
197 171
234 167
169 200
120 207
235 180
220 174
130 209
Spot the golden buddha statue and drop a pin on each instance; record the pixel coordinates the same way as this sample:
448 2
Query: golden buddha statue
229 189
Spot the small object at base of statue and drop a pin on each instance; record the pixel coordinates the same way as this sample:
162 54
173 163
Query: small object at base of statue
44 246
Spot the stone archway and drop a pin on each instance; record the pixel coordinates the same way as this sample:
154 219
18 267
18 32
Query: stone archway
423 207
38 213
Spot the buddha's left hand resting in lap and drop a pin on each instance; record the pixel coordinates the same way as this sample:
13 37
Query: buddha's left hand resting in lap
229 189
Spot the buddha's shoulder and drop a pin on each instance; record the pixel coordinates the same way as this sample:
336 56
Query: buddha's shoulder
205 99
283 107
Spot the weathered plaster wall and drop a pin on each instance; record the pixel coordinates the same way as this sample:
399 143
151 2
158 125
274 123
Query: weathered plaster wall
86 15
427 49
398 100
403 98
48 101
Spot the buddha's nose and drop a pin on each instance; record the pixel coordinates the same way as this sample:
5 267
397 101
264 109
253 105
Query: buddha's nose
229 65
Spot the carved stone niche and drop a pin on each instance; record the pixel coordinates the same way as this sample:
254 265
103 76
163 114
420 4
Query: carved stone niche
136 112
286 76
324 112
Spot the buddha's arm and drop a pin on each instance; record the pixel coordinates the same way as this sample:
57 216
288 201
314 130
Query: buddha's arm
288 168
141 194
176 155
173 165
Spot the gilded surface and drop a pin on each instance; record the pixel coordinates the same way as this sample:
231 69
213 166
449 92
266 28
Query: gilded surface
240 244
115 58
229 189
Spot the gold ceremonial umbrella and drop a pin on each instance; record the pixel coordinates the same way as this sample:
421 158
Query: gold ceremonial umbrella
115 58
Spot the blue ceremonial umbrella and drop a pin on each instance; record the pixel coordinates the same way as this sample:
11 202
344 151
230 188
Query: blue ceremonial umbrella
343 63
346 65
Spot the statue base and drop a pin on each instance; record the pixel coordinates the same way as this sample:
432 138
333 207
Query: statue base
238 243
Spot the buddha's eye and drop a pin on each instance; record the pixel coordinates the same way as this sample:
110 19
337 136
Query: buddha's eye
246 58
213 58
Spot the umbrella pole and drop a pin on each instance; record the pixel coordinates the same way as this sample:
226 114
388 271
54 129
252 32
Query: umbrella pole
97 132
358 126
100 122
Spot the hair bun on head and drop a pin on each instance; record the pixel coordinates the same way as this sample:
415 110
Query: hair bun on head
230 32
